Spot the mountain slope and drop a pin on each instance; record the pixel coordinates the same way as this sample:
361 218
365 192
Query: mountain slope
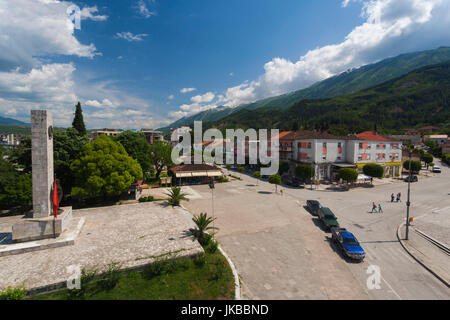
419 97
12 122
345 83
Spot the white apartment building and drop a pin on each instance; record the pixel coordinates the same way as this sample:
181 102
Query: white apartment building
328 153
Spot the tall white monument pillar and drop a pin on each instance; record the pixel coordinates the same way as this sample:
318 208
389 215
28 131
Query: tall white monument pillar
42 162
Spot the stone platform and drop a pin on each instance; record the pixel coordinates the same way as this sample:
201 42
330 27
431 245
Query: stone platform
42 228
132 235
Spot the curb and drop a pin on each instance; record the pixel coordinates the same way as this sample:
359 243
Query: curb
237 285
423 264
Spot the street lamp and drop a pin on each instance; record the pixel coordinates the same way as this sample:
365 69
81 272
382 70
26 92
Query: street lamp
408 203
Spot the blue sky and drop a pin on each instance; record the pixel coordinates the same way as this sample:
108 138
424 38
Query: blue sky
131 59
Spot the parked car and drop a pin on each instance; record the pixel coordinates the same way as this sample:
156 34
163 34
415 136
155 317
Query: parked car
436 169
348 243
291 181
313 206
411 179
328 218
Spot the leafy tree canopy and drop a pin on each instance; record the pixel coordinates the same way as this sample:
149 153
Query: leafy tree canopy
21 156
305 171
348 174
373 170
78 121
415 165
283 168
104 169
136 146
160 156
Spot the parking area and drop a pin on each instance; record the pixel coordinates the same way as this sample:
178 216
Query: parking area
282 252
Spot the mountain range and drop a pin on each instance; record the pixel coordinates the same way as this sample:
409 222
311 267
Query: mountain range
348 82
421 97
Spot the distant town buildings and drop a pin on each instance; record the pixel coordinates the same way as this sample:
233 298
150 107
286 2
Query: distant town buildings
177 133
439 139
106 132
152 136
10 140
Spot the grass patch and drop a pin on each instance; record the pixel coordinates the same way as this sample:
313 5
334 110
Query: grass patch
205 277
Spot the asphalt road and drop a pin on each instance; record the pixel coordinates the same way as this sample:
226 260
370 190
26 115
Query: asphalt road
401 276
282 252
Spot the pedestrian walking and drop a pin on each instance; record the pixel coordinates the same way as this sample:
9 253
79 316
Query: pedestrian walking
392 197
399 196
380 209
374 208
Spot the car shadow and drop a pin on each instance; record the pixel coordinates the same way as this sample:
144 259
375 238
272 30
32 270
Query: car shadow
320 225
340 253
265 192
309 210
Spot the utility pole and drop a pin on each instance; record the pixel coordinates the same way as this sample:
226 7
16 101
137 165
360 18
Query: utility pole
408 203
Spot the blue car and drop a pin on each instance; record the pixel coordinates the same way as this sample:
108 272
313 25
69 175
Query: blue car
348 243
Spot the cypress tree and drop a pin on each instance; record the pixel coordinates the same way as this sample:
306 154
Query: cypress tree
78 122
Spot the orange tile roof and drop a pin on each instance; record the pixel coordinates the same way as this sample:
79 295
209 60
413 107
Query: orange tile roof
371 136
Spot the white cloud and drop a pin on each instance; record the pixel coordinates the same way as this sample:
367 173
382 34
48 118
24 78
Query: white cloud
171 97
89 13
207 97
186 90
97 104
30 29
391 27
131 37
144 10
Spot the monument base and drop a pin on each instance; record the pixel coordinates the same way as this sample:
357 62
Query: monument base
42 228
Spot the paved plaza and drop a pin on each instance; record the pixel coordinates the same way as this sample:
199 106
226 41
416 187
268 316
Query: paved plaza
131 235
282 252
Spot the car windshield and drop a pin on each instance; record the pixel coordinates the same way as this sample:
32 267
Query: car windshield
351 242
330 216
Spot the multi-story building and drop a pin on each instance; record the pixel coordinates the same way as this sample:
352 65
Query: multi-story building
328 153
107 132
439 139
152 135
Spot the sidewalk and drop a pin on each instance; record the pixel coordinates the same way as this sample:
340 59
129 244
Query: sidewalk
429 255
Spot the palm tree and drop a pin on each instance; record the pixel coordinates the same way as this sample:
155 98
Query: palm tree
202 222
176 196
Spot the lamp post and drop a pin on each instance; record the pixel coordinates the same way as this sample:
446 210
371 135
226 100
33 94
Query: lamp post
408 202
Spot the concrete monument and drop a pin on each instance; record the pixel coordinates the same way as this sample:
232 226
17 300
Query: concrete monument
42 224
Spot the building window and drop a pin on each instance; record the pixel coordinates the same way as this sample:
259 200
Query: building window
324 148
381 156
394 146
364 145
381 146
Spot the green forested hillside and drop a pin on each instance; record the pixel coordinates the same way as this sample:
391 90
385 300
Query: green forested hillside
345 83
419 98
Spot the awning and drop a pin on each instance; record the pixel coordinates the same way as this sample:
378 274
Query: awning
200 174
344 165
183 174
214 173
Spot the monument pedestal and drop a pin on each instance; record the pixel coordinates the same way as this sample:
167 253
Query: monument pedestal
42 228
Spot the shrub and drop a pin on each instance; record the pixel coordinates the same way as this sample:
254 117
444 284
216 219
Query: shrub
111 277
373 170
146 199
212 247
200 260
348 174
304 171
276 180
241 169
415 165
228 166
176 196
10 293
223 179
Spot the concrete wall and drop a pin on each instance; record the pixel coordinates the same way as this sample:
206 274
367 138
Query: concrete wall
42 162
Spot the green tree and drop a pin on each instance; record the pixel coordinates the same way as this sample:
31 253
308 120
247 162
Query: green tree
160 155
283 167
176 196
17 192
276 180
348 174
21 156
305 172
203 224
257 176
104 169
415 165
78 122
373 170
67 147
427 158
137 147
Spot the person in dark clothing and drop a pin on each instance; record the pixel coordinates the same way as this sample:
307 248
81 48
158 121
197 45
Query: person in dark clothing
392 197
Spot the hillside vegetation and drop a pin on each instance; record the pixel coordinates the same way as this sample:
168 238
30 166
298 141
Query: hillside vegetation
418 98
